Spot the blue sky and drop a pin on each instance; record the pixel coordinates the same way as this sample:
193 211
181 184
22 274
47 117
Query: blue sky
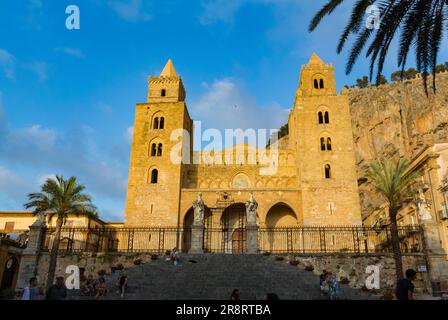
67 98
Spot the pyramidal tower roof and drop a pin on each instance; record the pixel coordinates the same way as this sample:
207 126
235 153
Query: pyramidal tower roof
315 60
169 71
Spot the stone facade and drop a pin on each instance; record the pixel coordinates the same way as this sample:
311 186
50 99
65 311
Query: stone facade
314 182
399 121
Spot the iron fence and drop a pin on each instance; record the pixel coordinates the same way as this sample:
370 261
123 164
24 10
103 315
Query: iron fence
339 240
225 240
151 240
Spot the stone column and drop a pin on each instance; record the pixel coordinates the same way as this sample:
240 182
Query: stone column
30 256
252 239
197 239
251 227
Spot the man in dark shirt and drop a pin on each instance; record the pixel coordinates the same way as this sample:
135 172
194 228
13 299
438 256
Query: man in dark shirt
405 287
58 291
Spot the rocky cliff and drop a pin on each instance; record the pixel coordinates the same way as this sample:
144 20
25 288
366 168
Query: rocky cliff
395 120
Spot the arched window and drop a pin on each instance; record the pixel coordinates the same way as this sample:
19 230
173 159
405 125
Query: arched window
156 123
327 171
316 84
321 83
162 123
163 93
154 176
326 117
153 150
159 150
321 117
322 144
329 144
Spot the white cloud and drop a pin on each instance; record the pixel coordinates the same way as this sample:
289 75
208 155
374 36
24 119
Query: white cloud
226 105
74 52
37 150
7 64
129 134
43 178
130 10
9 181
36 135
40 69
219 11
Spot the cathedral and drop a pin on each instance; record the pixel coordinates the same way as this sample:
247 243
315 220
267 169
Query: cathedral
315 181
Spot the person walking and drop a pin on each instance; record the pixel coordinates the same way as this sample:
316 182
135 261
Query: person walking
31 292
122 284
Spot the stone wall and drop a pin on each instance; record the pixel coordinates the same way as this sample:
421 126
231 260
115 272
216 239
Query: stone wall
352 267
92 263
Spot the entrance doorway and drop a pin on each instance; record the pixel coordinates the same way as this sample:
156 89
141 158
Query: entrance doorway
233 224
9 273
239 241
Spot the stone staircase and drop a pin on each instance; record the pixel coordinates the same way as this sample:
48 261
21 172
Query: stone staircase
215 277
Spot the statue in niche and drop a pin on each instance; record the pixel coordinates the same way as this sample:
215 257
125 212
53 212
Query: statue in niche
199 209
251 210
423 206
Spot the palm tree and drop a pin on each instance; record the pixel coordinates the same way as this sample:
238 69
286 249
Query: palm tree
60 197
419 22
392 181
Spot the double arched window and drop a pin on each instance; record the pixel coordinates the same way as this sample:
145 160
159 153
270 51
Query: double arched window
325 144
323 117
159 123
156 150
318 83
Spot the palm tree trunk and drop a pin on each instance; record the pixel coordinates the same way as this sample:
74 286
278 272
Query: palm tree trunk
54 252
395 238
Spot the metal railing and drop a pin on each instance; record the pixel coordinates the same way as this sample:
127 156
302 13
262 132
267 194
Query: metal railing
151 240
339 240
274 240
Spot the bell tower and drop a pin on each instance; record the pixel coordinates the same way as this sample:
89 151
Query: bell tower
321 133
162 138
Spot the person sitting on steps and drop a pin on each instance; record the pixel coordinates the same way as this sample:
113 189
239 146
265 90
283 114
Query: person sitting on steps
174 256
